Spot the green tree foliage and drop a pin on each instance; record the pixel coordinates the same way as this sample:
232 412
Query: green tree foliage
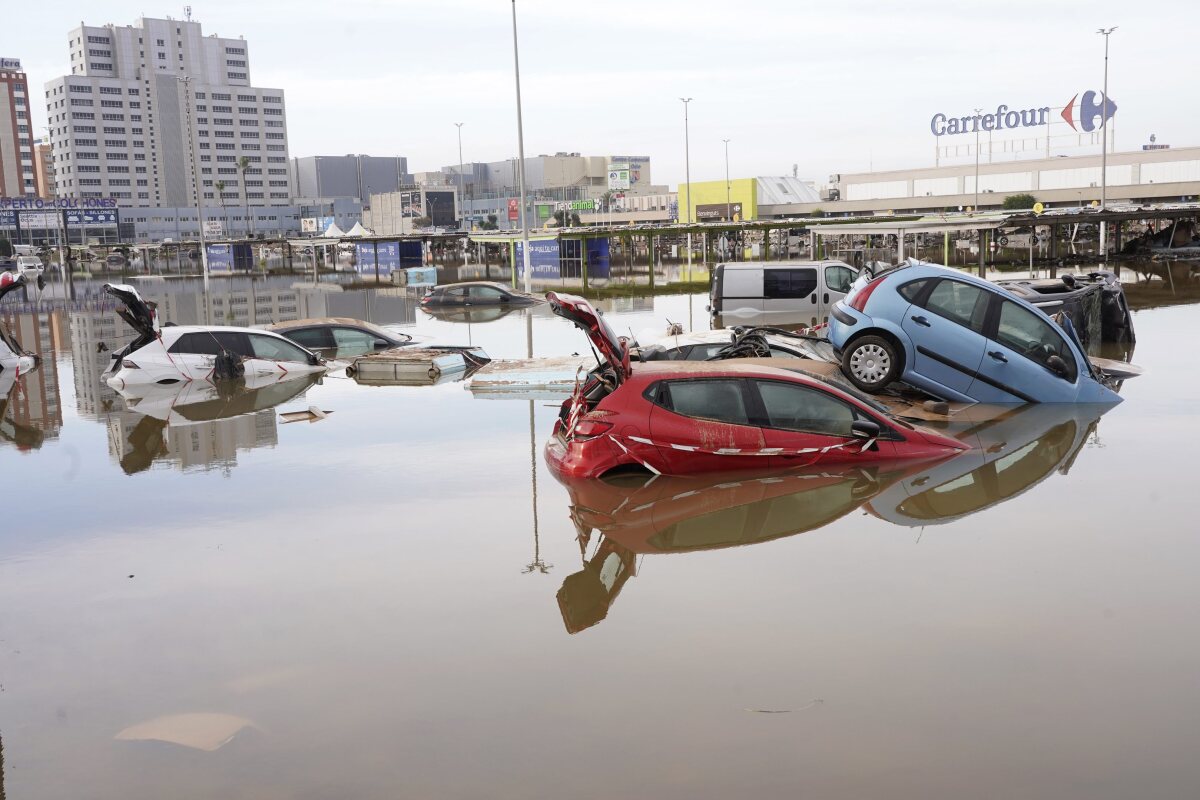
1017 202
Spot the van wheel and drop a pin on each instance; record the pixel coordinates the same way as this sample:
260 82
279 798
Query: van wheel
871 363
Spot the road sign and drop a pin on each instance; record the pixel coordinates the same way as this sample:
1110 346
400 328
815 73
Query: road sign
1038 208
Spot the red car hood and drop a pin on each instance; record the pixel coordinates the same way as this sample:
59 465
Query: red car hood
10 282
614 349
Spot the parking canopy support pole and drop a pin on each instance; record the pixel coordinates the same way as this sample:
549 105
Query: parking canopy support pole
982 251
899 245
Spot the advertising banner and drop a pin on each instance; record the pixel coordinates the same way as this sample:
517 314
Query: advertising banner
38 219
598 263
543 259
514 209
93 218
714 211
8 219
618 177
213 227
440 208
309 225
364 258
220 258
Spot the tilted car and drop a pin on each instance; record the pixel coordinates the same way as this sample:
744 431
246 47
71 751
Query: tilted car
476 293
960 338
176 353
686 417
14 358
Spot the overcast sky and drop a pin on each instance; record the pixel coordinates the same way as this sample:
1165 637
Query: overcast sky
831 86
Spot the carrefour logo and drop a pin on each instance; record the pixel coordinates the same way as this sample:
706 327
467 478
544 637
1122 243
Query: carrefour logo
1079 115
1088 111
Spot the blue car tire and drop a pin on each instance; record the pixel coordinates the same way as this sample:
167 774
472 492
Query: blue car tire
871 363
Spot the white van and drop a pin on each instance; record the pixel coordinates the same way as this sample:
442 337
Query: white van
778 292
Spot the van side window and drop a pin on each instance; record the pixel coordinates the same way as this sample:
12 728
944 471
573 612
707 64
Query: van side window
838 279
788 283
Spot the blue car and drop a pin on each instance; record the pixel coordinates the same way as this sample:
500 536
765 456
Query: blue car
960 338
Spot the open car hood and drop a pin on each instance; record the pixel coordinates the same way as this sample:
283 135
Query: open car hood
613 348
10 282
136 313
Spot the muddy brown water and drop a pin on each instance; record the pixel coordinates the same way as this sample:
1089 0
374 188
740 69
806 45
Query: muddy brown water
400 600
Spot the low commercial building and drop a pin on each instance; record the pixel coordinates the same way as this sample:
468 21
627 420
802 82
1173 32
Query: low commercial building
740 198
1138 176
356 176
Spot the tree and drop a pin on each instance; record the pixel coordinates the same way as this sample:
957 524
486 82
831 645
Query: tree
817 212
220 187
6 248
492 223
1017 202
423 222
566 219
243 163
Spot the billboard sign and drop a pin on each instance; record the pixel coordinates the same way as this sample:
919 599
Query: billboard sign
213 227
578 205
543 259
220 258
92 218
317 225
440 207
8 219
381 256
714 211
514 209
39 203
38 219
618 177
10 63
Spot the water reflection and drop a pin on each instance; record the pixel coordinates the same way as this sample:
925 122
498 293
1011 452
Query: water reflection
197 425
620 518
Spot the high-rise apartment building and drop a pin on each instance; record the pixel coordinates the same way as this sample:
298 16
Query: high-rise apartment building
16 138
43 168
143 99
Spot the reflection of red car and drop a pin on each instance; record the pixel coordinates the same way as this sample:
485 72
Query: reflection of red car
680 417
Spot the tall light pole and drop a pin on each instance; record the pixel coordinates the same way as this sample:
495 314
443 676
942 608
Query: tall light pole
460 171
187 106
1105 32
728 205
687 166
978 111
520 155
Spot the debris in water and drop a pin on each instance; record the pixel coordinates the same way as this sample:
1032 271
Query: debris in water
199 731
313 414
804 707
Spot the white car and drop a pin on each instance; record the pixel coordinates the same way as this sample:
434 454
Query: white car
179 353
14 359
30 266
755 342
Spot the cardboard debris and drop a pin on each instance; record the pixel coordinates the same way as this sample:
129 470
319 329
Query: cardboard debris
199 731
313 414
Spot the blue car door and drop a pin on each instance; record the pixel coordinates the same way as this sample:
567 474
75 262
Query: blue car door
1027 359
945 324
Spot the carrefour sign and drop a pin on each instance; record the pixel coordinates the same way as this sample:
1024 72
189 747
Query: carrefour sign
1088 114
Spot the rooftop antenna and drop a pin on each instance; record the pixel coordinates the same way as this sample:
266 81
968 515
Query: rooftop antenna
187 13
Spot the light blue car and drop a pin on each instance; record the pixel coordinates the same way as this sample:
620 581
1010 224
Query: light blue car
960 338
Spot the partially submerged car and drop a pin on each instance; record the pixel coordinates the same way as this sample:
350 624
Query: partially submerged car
341 336
686 417
715 345
1094 302
14 358
178 353
960 338
476 293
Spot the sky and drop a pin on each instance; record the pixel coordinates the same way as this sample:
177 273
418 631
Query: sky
830 87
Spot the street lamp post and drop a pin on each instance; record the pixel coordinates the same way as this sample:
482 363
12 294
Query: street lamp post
187 105
687 166
978 111
520 155
728 205
460 172
1105 32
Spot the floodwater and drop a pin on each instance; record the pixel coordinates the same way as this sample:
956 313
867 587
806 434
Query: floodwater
400 601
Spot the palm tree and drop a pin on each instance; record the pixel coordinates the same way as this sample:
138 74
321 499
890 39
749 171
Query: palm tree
220 187
243 163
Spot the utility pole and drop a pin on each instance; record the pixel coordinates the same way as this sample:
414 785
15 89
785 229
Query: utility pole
687 166
728 206
520 154
461 196
1105 32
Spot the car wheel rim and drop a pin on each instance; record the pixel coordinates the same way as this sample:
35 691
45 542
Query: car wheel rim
870 363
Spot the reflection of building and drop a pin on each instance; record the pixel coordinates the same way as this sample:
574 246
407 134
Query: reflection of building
137 441
37 403
90 330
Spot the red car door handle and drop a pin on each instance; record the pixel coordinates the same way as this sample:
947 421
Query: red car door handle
996 354
921 321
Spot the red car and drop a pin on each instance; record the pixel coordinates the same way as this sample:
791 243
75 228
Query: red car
679 418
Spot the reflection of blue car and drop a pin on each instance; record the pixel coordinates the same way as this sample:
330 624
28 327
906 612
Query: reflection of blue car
961 338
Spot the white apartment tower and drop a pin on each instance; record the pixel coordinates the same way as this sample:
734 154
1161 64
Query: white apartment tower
121 127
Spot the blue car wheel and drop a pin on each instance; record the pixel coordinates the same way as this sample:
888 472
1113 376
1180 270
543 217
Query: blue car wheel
871 363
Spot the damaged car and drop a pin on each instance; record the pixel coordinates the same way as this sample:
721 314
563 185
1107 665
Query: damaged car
178 353
14 359
686 417
960 338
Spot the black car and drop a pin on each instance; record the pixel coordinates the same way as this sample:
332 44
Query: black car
345 336
476 293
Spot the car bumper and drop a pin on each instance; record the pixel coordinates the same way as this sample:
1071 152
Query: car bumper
588 458
844 322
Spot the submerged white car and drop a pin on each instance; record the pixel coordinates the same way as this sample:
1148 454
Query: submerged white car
178 353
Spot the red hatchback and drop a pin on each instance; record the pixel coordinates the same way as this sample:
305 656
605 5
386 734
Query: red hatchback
680 418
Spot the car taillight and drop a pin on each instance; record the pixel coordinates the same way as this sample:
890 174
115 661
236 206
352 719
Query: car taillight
859 301
127 364
591 428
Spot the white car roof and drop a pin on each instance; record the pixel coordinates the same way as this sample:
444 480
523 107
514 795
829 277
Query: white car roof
761 264
174 331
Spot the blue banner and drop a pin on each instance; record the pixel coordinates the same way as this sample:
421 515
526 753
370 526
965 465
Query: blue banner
220 258
388 255
93 217
597 258
543 259
364 258
8 219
